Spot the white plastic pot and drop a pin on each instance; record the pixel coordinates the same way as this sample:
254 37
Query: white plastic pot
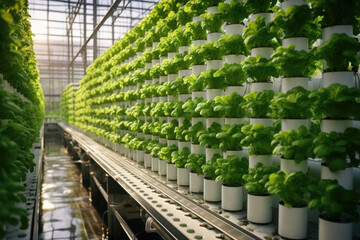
155 80
171 98
198 94
213 93
162 167
259 209
196 19
301 43
234 29
238 89
156 138
163 79
293 222
197 149
183 175
214 36
163 99
162 58
264 52
212 10
198 42
232 121
140 156
284 5
172 142
171 55
333 125
346 78
148 136
139 54
198 69
290 165
232 198
266 160
154 44
212 190
154 164
183 49
239 153
184 97
232 58
195 120
148 65
290 83
266 122
329 230
196 184
328 31
344 177
287 124
172 77
155 61
183 145
261 86
214 64
210 153
268 17
210 121
148 82
171 172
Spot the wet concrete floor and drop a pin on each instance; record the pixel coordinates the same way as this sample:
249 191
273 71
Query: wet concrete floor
66 211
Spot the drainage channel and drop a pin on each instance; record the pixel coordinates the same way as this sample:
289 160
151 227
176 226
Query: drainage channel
65 209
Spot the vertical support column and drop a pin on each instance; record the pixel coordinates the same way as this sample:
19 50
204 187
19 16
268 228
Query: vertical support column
85 170
68 42
112 25
94 25
115 193
85 37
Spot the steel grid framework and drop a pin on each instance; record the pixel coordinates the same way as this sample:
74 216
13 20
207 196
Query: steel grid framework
71 34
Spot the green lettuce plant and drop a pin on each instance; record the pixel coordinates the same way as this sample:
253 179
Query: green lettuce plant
166 152
212 22
257 178
210 51
258 138
334 202
294 104
207 138
293 63
293 188
196 83
232 44
195 163
180 158
168 129
232 105
234 12
230 137
231 170
259 6
140 45
259 69
259 34
209 168
294 144
212 81
196 7
181 130
183 17
231 74
335 148
193 133
196 30
182 36
179 61
258 103
195 56
206 109
335 102
339 52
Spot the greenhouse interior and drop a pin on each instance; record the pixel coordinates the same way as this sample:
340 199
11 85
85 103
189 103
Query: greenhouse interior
180 119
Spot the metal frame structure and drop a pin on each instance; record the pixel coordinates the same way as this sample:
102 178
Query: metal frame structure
71 34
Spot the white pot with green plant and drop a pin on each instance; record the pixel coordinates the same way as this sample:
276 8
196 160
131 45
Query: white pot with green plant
212 188
197 32
293 211
162 167
258 105
230 138
212 23
196 182
234 78
259 203
179 158
234 13
231 171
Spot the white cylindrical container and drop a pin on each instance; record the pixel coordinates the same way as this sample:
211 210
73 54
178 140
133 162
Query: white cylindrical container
259 209
154 164
155 61
212 9
329 230
214 36
183 175
183 49
162 167
196 183
289 165
148 65
163 99
172 142
290 83
140 156
239 153
184 97
172 77
287 124
196 19
197 149
184 72
268 17
148 82
213 93
266 160
147 160
162 58
264 52
198 42
344 177
171 98
212 190
210 121
232 58
198 94
210 153
266 122
198 69
293 222
163 140
171 172
154 44
163 79
328 31
232 121
234 29
333 125
346 78
195 120
238 89
171 55
261 86
232 198
183 144
301 43
284 5
214 64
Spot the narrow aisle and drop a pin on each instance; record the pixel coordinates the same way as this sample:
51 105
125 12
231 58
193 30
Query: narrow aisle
66 211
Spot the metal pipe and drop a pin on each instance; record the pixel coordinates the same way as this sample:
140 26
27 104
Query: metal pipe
101 189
